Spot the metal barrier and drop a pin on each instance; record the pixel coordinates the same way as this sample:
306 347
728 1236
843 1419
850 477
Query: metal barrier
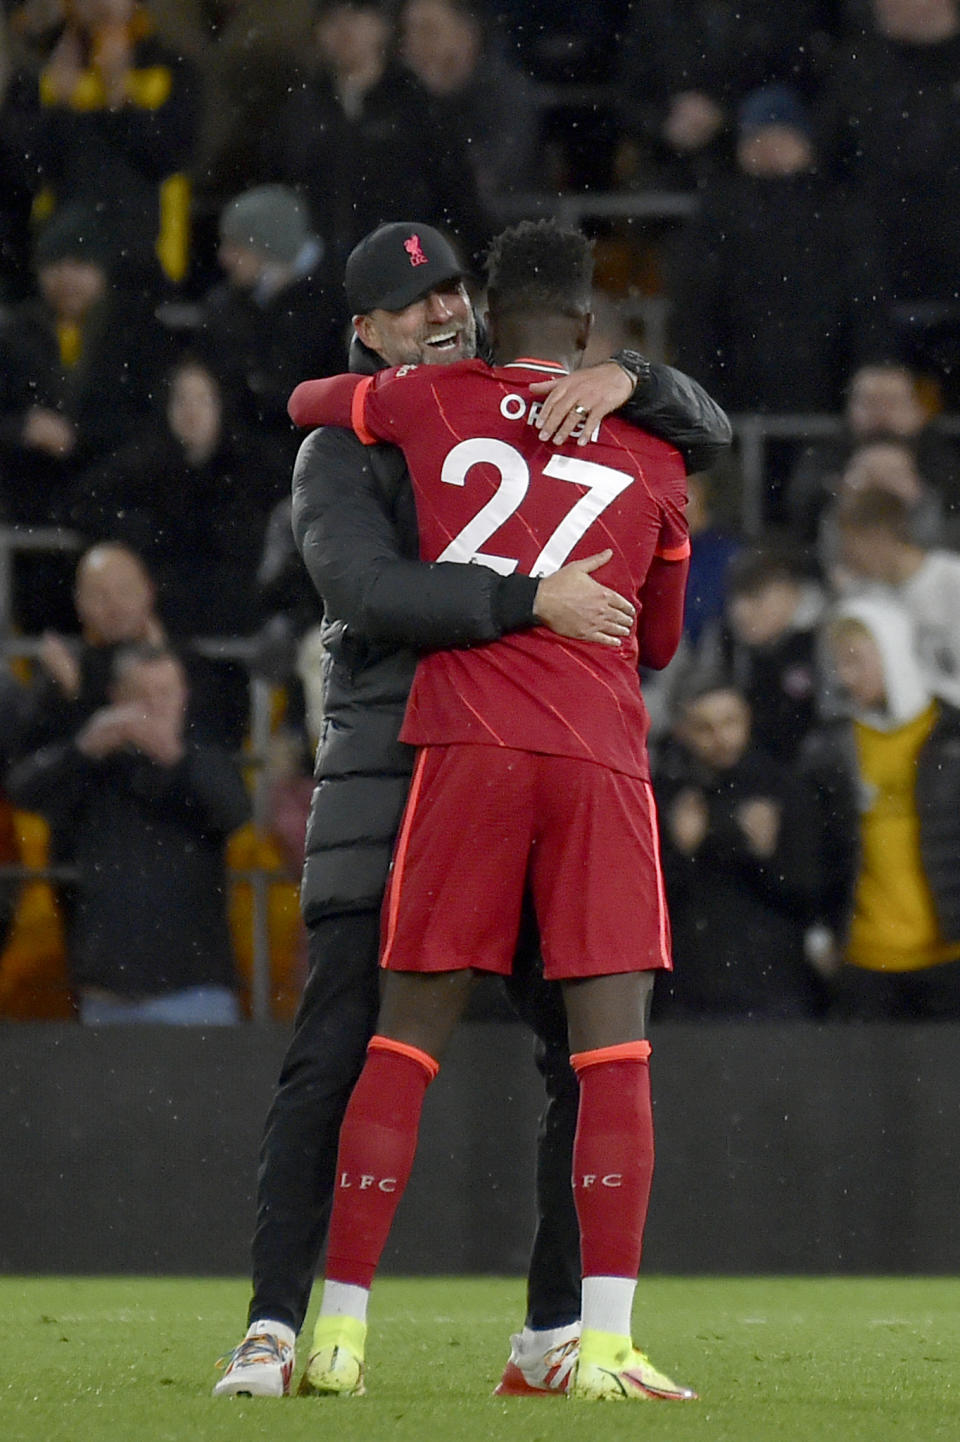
752 433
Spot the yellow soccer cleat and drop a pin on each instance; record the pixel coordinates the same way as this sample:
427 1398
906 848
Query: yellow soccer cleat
335 1365
610 1369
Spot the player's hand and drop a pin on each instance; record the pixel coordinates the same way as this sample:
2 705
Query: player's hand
580 401
571 603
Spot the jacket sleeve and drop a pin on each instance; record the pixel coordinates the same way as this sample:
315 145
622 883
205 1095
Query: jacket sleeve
49 780
205 789
678 410
353 552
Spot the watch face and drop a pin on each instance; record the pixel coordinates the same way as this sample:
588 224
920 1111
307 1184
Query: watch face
634 362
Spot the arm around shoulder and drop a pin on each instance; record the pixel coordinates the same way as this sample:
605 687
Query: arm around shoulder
347 502
676 408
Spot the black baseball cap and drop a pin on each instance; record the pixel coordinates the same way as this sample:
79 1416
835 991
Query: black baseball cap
398 263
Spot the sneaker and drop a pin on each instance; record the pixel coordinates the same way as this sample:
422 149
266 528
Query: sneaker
260 1367
335 1365
610 1369
540 1363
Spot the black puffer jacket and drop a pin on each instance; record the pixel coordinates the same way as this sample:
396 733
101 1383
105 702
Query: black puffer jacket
355 526
830 769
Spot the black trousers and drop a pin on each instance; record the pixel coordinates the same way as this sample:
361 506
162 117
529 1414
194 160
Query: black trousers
335 1020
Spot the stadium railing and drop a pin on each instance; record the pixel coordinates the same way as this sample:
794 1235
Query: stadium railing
753 434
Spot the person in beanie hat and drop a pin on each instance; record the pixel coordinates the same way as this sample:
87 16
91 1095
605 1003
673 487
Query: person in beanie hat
269 220
278 315
75 233
363 140
776 263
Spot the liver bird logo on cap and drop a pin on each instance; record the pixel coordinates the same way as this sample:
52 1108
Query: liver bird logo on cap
415 251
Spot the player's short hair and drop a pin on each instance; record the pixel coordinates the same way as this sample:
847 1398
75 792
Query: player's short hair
540 265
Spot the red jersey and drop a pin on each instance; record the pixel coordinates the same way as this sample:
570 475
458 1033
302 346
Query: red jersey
490 493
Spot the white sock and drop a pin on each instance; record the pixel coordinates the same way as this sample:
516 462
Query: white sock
340 1299
275 1329
608 1304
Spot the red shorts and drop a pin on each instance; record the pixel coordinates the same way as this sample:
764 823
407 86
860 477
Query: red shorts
484 822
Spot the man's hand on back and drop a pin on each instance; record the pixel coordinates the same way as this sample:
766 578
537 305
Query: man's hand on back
571 603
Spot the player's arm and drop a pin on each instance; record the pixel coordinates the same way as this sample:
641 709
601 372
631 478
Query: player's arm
326 402
662 594
660 620
379 407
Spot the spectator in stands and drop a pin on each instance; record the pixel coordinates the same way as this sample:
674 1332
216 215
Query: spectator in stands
685 67
713 547
768 644
876 546
883 402
75 382
889 466
118 129
19 127
192 495
771 311
892 126
886 784
247 55
115 600
737 865
479 92
362 139
150 812
278 316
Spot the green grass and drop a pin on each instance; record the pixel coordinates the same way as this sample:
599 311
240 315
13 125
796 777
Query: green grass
774 1359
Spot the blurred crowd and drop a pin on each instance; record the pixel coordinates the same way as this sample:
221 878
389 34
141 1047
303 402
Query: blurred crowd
182 182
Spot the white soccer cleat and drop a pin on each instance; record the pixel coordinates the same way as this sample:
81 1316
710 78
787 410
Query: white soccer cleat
261 1366
540 1363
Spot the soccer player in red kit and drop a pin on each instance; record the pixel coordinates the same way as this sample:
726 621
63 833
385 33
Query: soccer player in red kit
532 772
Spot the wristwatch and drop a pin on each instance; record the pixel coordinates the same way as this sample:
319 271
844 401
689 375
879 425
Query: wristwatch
635 365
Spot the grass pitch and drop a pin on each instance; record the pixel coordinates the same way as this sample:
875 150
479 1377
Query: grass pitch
774 1360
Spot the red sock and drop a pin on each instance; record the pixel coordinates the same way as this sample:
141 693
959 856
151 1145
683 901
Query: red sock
378 1140
613 1157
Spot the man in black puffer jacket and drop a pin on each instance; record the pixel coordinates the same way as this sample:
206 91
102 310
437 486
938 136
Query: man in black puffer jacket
355 525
